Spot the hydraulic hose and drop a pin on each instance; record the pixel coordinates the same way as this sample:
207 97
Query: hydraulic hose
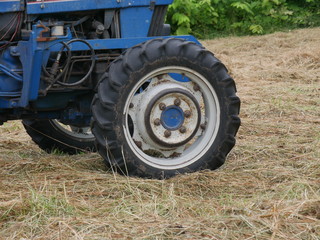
93 61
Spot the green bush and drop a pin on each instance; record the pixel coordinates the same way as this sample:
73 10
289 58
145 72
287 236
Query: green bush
208 18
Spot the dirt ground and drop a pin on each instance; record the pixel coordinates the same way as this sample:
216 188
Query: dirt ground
269 187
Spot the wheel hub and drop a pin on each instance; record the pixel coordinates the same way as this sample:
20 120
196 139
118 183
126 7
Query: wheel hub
170 122
172 117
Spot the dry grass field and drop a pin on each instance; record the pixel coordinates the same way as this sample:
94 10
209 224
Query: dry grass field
269 187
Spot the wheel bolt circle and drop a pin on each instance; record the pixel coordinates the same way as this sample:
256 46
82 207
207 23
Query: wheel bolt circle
187 113
167 133
177 102
162 106
183 129
157 122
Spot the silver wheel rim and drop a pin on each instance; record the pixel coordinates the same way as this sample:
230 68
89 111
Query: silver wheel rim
171 158
81 133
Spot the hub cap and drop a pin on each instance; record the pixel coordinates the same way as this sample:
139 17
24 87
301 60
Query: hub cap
172 118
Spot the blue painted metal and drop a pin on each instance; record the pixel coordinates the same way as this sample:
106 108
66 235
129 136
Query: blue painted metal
172 118
60 100
121 43
4 104
139 19
179 77
10 78
11 6
10 73
31 59
54 6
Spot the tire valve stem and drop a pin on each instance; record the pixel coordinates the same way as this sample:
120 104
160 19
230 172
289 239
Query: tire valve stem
167 133
131 105
203 126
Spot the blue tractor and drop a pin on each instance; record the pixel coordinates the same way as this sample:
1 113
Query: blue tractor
104 75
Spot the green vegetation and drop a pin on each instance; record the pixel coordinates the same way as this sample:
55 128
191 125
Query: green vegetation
209 18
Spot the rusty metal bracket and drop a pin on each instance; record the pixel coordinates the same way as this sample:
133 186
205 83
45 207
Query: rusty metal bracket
41 38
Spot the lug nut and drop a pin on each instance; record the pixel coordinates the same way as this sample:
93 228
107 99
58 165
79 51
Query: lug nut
203 126
167 133
177 102
183 129
162 106
157 122
187 113
131 105
196 87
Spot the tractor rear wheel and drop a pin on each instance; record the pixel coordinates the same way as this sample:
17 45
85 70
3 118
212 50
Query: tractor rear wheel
51 135
165 107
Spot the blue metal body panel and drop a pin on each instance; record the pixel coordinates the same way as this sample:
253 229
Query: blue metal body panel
31 59
121 43
54 6
135 22
11 6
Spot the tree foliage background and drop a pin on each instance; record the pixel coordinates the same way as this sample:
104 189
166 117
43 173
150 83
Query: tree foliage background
209 18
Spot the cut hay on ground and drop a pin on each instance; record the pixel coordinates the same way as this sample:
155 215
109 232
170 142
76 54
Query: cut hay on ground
268 189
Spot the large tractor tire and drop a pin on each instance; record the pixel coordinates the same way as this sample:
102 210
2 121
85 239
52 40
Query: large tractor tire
51 136
165 107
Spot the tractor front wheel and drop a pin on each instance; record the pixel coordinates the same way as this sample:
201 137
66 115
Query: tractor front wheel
165 107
